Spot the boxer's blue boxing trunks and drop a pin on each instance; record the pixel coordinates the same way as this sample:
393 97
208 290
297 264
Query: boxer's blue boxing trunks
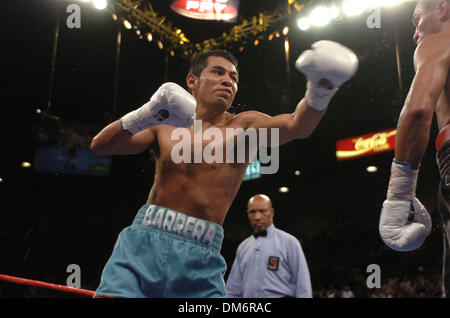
165 254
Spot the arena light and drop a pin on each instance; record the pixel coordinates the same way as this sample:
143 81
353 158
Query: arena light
334 12
371 4
320 16
304 23
391 3
382 3
297 172
284 189
354 7
1 180
149 37
100 4
372 169
127 24
25 164
323 15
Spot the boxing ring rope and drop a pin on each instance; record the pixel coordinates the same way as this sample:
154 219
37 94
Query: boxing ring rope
36 283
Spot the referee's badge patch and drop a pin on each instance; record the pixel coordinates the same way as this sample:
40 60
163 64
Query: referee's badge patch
273 263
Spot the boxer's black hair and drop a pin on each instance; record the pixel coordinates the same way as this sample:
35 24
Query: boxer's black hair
200 60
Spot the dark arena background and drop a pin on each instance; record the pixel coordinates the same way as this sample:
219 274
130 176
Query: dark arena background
69 68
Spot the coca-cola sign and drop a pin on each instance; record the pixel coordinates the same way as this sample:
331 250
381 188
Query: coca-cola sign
218 10
366 145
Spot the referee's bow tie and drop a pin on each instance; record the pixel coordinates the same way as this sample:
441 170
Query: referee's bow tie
260 233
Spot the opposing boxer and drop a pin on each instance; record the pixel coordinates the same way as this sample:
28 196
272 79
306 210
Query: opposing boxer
172 249
404 221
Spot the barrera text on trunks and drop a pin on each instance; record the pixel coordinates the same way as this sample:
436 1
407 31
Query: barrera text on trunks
181 224
229 145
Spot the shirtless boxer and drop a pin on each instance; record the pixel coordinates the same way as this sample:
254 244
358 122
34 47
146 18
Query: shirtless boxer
172 249
404 222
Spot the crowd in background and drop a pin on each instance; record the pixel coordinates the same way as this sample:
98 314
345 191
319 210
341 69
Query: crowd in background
398 287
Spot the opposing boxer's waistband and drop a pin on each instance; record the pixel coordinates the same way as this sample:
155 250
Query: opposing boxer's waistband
443 136
171 221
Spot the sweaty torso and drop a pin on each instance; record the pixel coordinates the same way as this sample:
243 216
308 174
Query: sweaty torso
443 105
189 181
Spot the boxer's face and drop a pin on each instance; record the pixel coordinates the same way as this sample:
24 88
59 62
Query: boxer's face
217 83
426 21
260 214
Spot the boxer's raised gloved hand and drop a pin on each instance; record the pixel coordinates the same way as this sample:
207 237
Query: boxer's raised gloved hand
170 105
404 221
327 66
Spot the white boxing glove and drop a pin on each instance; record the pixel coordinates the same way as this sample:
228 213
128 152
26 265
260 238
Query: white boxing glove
404 221
327 66
404 225
171 105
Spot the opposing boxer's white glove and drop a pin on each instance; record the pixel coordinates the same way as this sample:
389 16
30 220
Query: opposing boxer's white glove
404 221
170 105
327 66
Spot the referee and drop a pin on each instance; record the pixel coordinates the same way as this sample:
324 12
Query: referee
270 263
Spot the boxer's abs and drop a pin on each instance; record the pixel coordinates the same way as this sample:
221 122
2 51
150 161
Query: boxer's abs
201 190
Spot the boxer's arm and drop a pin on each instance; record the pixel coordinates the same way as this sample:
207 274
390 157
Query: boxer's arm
404 221
327 65
431 61
297 125
113 140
